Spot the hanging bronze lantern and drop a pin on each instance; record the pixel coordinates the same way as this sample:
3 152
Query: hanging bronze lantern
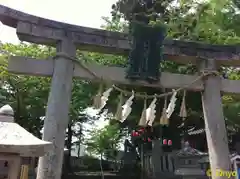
136 58
156 35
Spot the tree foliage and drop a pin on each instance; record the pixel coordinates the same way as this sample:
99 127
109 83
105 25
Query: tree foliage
144 11
105 141
26 94
211 22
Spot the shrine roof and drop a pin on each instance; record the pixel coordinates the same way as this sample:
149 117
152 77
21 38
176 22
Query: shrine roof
196 131
44 31
15 139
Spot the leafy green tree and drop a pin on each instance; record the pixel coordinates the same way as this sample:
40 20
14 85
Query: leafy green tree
144 11
105 142
28 95
212 22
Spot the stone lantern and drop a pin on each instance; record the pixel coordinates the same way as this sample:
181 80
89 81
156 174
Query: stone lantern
16 142
187 164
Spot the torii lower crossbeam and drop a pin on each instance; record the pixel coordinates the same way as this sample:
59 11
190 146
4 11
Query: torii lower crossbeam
114 75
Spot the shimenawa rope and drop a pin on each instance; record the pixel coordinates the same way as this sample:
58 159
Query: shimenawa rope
125 92
139 95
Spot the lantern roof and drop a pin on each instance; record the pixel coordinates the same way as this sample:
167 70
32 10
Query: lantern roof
15 139
187 150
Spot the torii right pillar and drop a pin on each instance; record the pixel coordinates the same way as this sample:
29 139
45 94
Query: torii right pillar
214 122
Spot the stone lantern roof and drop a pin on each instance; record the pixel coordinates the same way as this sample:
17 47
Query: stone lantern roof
16 140
187 150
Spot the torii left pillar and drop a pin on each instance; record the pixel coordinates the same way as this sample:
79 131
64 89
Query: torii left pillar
56 121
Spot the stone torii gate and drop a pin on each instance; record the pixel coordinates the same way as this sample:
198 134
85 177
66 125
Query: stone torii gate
62 69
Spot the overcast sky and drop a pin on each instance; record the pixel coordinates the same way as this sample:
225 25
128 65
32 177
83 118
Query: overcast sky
80 12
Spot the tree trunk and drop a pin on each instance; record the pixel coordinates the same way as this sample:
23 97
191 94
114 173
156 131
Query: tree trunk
79 149
79 141
17 115
69 147
101 168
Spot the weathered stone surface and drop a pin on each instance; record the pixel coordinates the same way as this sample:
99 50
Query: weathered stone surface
16 140
115 75
39 30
